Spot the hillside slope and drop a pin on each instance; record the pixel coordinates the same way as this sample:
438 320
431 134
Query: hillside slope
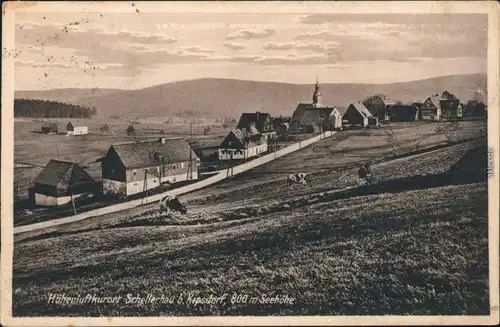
216 97
421 250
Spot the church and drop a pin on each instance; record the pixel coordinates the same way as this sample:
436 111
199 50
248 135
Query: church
315 117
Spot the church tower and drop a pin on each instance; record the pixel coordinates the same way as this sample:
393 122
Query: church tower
316 95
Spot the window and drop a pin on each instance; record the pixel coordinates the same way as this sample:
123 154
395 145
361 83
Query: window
182 165
135 173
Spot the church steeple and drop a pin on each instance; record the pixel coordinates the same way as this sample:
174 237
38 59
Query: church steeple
316 95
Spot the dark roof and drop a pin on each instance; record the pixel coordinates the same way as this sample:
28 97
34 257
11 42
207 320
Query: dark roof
49 125
314 114
245 140
361 109
57 171
307 110
209 142
258 118
142 154
299 111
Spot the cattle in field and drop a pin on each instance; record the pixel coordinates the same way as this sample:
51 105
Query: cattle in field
299 178
171 203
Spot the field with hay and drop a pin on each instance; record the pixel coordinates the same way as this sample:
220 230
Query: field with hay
414 242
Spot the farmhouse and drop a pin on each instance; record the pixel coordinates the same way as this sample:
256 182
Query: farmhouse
49 128
60 182
449 105
238 145
76 130
257 123
377 105
403 113
136 167
431 108
358 115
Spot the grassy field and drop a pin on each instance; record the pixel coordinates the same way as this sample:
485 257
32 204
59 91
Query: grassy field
410 244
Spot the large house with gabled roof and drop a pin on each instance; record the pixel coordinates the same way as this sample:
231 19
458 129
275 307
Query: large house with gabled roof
135 167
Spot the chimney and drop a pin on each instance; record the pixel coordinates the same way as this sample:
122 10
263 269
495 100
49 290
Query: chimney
161 140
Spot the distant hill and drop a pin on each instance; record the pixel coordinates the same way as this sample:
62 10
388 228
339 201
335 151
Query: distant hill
213 97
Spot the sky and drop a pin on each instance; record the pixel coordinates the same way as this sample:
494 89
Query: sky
137 50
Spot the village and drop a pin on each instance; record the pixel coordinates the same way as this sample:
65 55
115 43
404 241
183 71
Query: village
140 168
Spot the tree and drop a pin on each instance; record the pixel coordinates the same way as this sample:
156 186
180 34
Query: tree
131 131
206 130
104 128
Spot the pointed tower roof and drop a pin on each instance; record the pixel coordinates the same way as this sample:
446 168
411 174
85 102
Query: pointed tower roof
317 93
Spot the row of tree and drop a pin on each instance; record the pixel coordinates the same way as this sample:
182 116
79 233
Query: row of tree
50 109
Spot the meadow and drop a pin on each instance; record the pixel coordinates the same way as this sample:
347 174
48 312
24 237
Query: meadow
413 243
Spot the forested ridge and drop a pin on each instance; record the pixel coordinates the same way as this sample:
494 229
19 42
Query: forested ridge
50 109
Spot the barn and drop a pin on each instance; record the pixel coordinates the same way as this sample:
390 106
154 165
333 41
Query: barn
49 128
358 115
135 167
237 145
403 113
76 130
61 181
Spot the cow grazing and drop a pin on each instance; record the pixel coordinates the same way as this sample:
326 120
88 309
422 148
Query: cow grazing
299 178
171 203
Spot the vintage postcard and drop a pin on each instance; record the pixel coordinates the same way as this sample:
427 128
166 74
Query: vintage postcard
238 163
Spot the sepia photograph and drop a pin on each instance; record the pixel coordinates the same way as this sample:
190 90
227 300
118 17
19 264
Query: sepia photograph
213 160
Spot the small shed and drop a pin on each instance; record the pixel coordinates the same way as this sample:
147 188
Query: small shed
61 181
49 128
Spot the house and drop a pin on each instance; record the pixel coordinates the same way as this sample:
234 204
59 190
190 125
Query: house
283 129
377 105
449 105
358 115
49 128
207 148
135 167
59 182
76 130
431 108
403 113
257 123
475 108
238 145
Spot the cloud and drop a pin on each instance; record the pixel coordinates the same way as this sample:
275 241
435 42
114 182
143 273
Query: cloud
315 47
234 46
196 49
251 34
415 19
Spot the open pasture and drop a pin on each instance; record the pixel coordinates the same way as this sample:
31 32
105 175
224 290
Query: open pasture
419 251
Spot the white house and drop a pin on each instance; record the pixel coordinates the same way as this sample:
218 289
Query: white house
238 146
76 130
